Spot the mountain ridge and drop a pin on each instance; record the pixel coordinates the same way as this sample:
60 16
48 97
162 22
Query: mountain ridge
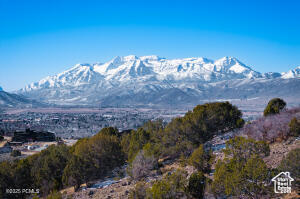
132 80
11 100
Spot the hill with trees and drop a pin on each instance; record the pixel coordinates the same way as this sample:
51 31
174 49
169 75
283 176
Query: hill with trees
167 160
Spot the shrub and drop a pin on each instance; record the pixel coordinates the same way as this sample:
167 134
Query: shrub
183 134
198 126
22 173
294 126
274 106
73 174
48 166
15 153
256 174
139 191
125 143
235 178
291 163
58 165
99 154
6 178
241 148
142 165
242 172
109 131
272 128
196 185
171 186
201 159
137 140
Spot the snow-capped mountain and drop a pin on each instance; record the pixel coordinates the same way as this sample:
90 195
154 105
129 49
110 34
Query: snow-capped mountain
1 88
295 73
123 69
151 80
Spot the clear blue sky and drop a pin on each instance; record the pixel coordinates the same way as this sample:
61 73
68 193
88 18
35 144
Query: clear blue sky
45 37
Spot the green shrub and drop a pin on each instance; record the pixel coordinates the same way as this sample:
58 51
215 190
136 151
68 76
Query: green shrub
274 106
110 131
201 159
243 171
291 163
171 186
242 148
137 140
196 185
48 166
99 155
294 126
183 134
59 165
236 178
139 191
73 174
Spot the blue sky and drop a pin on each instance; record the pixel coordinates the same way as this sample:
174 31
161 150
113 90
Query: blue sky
41 38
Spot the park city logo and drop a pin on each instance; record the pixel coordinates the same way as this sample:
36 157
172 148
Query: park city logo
282 183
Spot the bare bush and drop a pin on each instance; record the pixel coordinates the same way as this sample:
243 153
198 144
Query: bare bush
273 127
142 165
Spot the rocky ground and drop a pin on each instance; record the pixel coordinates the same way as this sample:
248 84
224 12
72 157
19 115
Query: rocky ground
118 190
279 150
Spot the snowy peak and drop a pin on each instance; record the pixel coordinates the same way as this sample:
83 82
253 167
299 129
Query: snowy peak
1 88
295 73
151 58
231 64
76 76
133 80
129 58
131 67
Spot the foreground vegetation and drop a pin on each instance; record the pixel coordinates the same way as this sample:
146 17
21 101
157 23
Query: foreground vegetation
60 166
241 173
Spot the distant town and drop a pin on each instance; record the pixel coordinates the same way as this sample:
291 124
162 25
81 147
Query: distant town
74 124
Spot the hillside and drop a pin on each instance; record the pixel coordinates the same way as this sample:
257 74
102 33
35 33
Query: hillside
122 187
9 100
208 152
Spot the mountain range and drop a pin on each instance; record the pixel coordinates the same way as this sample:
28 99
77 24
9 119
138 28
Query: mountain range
13 100
154 81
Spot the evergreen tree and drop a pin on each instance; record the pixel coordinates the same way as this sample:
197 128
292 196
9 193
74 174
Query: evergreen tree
242 172
201 159
74 173
196 185
274 106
